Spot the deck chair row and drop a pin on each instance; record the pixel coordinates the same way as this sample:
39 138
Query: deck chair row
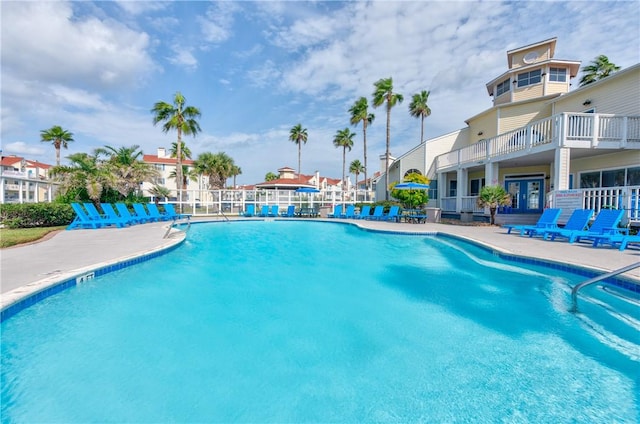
603 230
88 215
365 213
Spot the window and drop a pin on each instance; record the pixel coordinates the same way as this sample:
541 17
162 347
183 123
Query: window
433 189
503 87
475 186
558 74
613 178
610 178
633 176
453 188
413 171
590 180
529 78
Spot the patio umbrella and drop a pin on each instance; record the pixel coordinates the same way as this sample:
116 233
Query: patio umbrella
411 186
308 190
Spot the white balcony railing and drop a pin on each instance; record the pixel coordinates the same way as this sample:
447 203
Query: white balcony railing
582 130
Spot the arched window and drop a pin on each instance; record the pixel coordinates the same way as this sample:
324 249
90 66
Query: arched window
413 171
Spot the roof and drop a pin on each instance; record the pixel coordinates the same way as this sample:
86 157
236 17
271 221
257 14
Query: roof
11 160
170 161
551 41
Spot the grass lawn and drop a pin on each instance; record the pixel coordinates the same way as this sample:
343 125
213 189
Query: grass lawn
12 237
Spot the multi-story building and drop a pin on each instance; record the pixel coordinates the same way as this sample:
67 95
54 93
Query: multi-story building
540 141
166 167
25 181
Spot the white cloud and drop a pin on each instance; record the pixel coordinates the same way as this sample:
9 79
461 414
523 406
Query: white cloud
22 148
264 75
46 41
183 57
217 23
136 7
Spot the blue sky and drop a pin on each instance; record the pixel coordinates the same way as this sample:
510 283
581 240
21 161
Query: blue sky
255 69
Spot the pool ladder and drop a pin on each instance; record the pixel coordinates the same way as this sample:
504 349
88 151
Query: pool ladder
574 291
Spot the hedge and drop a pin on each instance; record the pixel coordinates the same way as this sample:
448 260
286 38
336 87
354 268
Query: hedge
31 215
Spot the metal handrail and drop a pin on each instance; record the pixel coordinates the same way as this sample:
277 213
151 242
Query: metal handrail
574 291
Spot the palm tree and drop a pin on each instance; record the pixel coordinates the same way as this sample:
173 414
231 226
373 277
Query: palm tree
270 176
384 94
360 113
418 108
125 166
185 151
186 174
235 171
344 139
600 68
182 119
58 137
159 192
217 167
492 197
83 179
356 168
298 135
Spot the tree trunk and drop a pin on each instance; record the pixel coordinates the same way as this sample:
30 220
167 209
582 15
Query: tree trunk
179 169
366 182
386 174
492 211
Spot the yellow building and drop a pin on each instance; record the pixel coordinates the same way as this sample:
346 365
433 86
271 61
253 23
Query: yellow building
539 140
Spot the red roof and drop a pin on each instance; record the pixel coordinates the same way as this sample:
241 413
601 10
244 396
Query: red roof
171 161
11 160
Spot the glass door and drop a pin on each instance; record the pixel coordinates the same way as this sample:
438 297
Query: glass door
526 195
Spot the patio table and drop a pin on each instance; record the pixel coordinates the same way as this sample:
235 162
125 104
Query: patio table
414 216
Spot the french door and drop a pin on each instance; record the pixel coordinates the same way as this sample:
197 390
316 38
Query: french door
527 196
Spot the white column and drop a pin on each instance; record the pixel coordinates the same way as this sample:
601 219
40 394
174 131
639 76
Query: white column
491 173
461 187
561 168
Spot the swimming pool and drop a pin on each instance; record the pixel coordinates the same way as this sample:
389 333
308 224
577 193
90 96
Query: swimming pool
307 322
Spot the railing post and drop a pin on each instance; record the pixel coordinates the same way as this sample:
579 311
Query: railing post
596 130
625 132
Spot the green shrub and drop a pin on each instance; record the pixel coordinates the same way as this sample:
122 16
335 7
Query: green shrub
31 215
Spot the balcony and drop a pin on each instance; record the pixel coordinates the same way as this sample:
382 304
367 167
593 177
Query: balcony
575 130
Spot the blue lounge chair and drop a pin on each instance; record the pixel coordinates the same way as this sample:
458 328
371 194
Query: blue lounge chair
274 210
365 211
350 213
606 223
548 220
111 213
82 219
251 211
141 211
337 211
92 211
613 239
264 212
171 212
154 212
289 213
578 221
377 213
103 220
124 213
392 215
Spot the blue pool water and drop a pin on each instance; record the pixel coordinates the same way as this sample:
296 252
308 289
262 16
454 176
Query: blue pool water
312 322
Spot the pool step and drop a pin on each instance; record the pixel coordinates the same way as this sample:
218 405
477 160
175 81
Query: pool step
613 316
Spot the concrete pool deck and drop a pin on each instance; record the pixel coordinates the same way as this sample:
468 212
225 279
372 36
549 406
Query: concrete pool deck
28 268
